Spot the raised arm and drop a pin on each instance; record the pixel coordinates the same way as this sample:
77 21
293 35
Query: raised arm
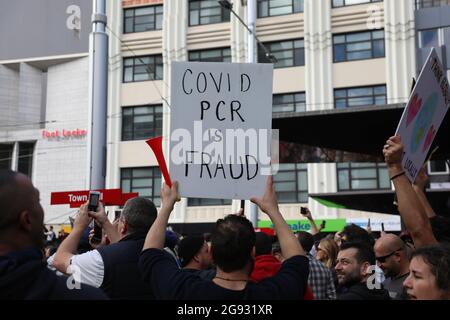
157 234
419 187
314 229
290 246
69 246
409 206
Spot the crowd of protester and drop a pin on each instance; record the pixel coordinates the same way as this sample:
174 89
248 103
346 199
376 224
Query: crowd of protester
140 257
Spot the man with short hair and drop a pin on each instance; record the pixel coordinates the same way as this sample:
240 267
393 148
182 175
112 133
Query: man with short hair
353 269
232 247
113 268
320 278
391 256
23 275
194 254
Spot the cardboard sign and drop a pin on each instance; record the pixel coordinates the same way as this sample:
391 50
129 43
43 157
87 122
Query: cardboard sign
427 106
221 116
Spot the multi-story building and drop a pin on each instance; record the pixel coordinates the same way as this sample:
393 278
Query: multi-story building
44 78
331 54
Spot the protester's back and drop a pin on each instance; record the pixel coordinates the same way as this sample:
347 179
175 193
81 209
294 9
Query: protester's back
23 272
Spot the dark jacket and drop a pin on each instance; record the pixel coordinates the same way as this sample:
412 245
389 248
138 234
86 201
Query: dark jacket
360 291
24 276
122 278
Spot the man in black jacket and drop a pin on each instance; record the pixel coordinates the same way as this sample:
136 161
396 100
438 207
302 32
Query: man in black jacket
354 264
113 268
23 272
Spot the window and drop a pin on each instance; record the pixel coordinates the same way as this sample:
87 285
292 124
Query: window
207 12
428 38
357 97
139 123
291 183
6 153
146 181
25 161
288 53
211 55
438 167
358 46
199 202
143 68
270 8
143 19
362 176
431 3
289 102
343 3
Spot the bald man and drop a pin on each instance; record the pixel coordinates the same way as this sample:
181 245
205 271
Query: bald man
392 258
23 275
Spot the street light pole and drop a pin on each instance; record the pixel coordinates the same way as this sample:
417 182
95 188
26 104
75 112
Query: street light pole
252 40
251 52
98 92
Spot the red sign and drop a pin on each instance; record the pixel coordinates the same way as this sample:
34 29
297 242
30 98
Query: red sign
109 197
268 231
64 134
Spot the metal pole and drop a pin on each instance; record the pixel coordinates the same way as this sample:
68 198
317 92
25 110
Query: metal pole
98 91
251 51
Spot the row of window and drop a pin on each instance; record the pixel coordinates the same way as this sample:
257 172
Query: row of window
23 158
144 122
289 53
291 181
203 12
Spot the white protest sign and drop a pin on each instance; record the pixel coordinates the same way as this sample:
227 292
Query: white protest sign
221 117
423 115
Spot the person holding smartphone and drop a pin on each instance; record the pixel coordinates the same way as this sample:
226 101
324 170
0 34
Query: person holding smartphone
304 211
113 268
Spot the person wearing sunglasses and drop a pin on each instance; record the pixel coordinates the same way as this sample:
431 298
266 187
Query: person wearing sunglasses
392 258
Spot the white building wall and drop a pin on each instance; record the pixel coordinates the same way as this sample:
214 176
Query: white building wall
9 97
400 49
61 164
30 92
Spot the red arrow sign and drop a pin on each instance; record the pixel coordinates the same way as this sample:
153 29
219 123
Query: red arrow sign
109 197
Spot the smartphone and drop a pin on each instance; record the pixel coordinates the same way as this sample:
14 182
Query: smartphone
303 211
94 198
323 224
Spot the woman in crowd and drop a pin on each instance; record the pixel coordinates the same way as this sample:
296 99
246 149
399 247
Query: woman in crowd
429 277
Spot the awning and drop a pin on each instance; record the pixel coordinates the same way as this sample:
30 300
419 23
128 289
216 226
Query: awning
358 129
380 201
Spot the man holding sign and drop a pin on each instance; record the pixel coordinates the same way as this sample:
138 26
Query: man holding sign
405 152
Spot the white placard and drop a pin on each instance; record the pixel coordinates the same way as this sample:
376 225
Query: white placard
221 117
423 115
